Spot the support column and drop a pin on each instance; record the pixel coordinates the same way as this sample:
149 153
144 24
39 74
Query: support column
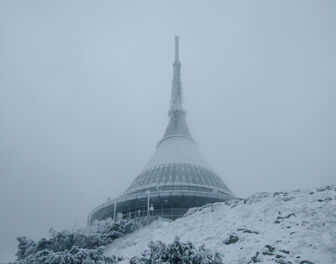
147 207
115 211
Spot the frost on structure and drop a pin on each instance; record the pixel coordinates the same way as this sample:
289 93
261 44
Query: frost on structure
176 178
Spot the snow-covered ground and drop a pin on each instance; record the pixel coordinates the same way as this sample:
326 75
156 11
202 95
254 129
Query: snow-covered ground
294 226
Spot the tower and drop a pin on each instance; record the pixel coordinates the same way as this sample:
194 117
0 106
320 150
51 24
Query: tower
176 178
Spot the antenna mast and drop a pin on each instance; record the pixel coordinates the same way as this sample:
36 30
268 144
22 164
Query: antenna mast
176 102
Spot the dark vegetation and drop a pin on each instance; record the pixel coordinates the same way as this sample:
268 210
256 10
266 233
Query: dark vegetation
87 247
82 246
177 253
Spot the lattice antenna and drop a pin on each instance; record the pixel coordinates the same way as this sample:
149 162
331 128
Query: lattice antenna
176 101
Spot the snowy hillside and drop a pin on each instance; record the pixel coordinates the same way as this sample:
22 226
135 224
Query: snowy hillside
282 227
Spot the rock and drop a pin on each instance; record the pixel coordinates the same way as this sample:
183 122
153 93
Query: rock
244 230
304 223
287 199
133 260
288 216
278 256
283 261
306 262
322 189
284 251
270 248
255 258
279 218
233 238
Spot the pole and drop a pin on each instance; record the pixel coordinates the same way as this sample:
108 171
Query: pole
177 48
147 207
114 211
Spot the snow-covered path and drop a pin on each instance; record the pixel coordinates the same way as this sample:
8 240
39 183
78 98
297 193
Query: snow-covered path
299 225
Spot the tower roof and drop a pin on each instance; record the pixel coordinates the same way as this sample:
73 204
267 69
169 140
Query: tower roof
177 162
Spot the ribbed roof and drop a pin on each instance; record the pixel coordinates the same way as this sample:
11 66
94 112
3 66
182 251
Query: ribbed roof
177 163
176 149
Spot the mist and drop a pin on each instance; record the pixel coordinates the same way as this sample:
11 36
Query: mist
85 89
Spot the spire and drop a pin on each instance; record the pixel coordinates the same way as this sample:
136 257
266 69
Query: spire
177 48
177 125
176 102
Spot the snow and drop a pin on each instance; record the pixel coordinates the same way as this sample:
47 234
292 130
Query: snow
302 222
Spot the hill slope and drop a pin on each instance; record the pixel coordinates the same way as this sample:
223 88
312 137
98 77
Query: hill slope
282 227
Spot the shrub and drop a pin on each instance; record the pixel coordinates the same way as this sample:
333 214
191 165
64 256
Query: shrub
74 256
177 253
81 246
26 247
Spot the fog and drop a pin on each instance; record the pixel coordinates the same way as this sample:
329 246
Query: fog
85 89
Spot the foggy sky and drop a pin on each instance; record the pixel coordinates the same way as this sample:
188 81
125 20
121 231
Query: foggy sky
85 89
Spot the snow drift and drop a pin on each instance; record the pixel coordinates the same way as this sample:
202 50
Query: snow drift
283 227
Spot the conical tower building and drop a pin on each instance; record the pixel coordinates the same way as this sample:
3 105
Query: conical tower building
176 178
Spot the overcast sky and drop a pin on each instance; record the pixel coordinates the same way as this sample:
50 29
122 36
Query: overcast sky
85 89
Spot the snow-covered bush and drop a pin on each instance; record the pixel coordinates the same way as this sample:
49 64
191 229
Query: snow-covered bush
26 247
74 256
177 253
81 246
120 228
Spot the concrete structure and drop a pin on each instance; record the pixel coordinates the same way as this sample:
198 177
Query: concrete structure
176 178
